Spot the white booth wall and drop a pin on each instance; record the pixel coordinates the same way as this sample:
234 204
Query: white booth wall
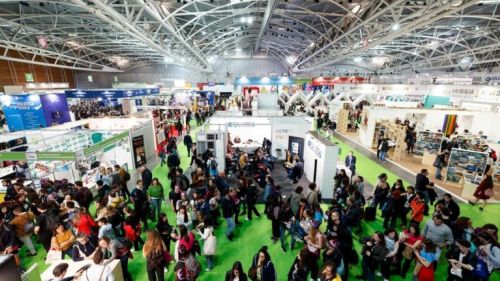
146 130
474 121
267 101
245 127
325 154
285 127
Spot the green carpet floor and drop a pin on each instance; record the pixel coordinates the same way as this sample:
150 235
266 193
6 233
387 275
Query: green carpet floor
250 236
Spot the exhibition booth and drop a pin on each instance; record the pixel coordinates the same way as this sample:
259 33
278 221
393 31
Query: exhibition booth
470 147
128 98
34 111
74 151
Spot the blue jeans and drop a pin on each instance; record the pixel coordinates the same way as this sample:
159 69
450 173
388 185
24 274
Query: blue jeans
230 226
437 175
210 262
382 155
156 204
368 273
426 196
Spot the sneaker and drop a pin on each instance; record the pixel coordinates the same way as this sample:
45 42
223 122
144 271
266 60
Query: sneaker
378 274
207 269
247 219
31 254
165 270
283 250
481 209
470 202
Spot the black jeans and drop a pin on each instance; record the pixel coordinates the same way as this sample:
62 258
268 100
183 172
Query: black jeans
251 208
156 274
276 228
124 264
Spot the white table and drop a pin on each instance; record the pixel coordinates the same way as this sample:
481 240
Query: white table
115 266
248 148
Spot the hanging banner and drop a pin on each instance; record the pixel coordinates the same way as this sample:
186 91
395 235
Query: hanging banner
55 156
12 156
102 144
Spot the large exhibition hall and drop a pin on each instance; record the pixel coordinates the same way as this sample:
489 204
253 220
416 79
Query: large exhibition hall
262 140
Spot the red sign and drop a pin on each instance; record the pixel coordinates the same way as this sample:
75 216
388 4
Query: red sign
331 81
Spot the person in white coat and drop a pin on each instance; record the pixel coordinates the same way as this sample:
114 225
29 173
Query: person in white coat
209 244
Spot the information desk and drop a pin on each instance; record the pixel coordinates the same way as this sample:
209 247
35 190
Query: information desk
115 266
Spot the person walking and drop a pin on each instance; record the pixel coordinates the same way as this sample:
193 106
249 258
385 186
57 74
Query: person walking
350 162
24 226
484 191
156 196
383 148
188 142
153 251
439 163
209 246
227 205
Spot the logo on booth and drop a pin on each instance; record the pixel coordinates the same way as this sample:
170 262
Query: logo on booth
314 147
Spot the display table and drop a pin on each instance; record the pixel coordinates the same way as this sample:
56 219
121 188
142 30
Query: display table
248 148
115 266
468 190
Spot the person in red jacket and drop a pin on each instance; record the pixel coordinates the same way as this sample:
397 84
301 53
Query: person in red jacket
417 206
131 233
84 223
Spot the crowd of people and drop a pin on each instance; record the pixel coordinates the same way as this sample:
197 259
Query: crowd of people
91 108
124 222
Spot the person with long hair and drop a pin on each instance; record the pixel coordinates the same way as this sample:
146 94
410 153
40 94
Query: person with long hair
183 217
329 273
425 259
374 253
300 267
209 246
236 273
84 223
392 259
153 252
484 190
315 242
262 268
411 239
62 240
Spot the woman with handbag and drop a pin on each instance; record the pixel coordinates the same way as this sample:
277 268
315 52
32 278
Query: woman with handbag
410 239
210 243
425 259
153 251
484 190
314 243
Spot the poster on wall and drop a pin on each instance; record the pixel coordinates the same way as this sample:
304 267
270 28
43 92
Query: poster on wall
428 141
139 150
465 164
23 112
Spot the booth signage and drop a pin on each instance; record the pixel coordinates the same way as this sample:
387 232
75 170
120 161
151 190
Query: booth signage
23 112
314 147
111 93
52 156
237 124
102 144
31 156
29 77
12 156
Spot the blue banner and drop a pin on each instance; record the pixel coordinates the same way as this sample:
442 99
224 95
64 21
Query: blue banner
263 81
110 93
23 112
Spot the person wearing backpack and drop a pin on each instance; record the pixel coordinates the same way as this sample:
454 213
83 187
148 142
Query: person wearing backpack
153 251
45 223
124 178
212 166
24 225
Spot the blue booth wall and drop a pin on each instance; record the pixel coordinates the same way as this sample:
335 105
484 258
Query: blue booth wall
55 109
23 112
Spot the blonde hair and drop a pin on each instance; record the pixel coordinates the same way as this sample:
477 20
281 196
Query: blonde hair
154 243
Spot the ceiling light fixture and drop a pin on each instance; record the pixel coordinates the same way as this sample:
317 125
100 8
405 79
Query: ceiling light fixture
396 26
358 59
291 59
356 8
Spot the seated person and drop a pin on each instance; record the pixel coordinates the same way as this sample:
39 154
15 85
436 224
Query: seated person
84 247
296 172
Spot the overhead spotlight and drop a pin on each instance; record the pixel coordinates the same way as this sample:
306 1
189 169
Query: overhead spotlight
396 26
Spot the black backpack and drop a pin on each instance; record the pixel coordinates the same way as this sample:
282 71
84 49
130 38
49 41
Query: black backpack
126 177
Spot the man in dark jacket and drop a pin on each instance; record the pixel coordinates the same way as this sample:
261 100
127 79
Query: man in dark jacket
83 195
146 177
228 207
451 205
188 142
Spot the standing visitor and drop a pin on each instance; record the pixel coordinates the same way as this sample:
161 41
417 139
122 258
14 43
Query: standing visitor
209 246
24 226
350 162
374 253
484 190
188 142
156 196
439 163
227 205
425 258
383 148
153 251
141 204
114 249
236 273
97 270
262 267
423 184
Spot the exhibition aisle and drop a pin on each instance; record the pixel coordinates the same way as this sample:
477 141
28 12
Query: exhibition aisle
250 236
